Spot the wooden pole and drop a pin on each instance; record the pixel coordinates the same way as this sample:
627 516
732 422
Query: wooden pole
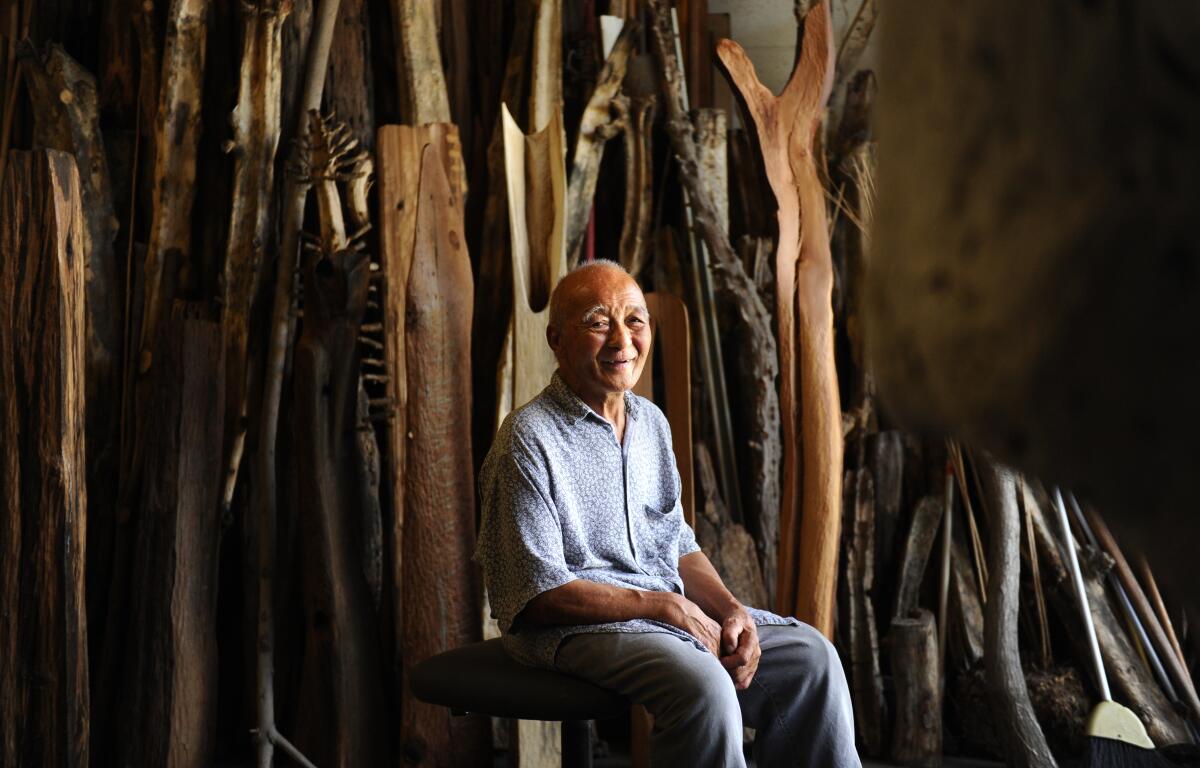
44 703
787 128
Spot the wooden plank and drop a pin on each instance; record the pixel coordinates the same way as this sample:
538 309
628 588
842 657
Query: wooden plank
787 127
44 704
169 685
440 598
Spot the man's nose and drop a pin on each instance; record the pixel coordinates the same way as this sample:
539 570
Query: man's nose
619 336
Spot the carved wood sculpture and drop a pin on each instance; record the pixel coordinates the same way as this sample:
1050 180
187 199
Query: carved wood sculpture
603 118
295 193
787 131
440 597
422 82
44 704
169 686
256 125
341 692
1020 734
177 134
535 172
400 161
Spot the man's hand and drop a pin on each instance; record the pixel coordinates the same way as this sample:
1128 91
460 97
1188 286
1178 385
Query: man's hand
686 615
739 648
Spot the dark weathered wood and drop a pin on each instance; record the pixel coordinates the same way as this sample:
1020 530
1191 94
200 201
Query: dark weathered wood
639 185
966 636
169 686
917 736
917 546
869 707
787 127
441 606
44 703
350 80
885 459
727 544
1020 734
423 95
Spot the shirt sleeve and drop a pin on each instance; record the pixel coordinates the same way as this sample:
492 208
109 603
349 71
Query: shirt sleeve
687 537
520 547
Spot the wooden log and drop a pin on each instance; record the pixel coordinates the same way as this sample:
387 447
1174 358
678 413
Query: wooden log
169 685
869 707
639 185
423 95
1131 680
440 598
917 736
1020 734
177 135
885 459
917 546
786 126
725 542
44 702
350 79
603 118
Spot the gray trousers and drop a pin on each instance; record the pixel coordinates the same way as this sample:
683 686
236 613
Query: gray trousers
798 702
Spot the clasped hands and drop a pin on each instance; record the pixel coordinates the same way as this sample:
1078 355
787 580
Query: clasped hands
734 641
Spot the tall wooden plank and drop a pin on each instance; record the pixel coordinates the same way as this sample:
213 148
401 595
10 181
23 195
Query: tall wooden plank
441 590
44 705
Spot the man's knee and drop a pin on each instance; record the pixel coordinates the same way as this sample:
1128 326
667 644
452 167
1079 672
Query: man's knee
813 660
701 692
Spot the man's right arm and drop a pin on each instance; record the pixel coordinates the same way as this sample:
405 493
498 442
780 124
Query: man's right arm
586 602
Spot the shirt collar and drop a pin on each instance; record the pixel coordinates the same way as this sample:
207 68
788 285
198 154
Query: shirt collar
573 406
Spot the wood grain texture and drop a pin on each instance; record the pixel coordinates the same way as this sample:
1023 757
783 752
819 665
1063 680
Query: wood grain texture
926 519
869 706
441 588
423 96
812 468
44 704
918 731
169 684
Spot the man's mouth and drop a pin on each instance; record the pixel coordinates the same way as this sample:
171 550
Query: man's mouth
618 362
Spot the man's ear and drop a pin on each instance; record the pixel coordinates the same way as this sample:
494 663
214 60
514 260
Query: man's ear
553 337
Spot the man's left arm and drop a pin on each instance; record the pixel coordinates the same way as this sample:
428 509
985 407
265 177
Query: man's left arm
739 636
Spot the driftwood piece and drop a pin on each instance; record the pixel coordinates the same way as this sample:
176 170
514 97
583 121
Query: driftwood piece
44 704
256 125
639 184
340 702
725 542
545 62
917 736
966 639
169 688
603 118
756 362
855 39
787 126
423 96
1020 735
917 547
1131 680
350 79
885 459
177 136
869 707
440 598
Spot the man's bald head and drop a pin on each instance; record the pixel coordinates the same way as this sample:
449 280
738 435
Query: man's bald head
584 276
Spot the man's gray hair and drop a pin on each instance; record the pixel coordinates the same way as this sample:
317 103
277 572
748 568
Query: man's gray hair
556 300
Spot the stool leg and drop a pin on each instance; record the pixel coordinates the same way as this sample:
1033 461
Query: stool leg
576 744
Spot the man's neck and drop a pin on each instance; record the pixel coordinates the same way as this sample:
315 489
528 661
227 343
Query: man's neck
609 406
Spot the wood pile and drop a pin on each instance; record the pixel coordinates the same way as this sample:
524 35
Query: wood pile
273 271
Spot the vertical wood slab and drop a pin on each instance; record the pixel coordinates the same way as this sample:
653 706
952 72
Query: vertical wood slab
869 706
423 97
535 178
441 591
169 692
918 732
545 93
787 130
350 78
399 149
44 704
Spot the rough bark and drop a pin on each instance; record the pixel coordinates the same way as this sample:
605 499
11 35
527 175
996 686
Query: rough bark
44 703
639 185
869 707
918 733
423 95
917 547
787 127
1020 734
350 80
885 459
726 543
169 688
440 598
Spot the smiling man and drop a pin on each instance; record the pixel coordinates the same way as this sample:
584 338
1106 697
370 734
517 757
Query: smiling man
592 570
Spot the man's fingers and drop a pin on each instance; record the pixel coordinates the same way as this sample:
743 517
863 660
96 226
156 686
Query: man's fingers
731 633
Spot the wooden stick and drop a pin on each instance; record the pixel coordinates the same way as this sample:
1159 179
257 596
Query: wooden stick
1036 574
1159 607
787 126
944 584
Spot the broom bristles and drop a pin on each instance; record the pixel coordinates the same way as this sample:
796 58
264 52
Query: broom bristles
1110 753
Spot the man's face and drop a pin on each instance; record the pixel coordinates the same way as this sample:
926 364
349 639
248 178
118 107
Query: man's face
604 334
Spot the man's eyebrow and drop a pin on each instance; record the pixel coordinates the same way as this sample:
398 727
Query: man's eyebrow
642 309
591 313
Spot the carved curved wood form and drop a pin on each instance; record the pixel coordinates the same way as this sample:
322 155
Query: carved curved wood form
786 126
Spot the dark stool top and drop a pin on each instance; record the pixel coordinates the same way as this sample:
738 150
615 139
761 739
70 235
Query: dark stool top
482 678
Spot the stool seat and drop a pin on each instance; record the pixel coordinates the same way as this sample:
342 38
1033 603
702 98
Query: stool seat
482 678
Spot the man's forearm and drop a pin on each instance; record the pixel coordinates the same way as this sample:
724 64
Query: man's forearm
704 587
587 602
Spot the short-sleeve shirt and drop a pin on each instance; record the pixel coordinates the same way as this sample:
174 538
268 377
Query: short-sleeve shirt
562 499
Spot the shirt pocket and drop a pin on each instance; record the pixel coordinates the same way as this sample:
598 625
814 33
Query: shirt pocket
661 539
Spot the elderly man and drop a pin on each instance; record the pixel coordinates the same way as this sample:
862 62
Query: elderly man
591 569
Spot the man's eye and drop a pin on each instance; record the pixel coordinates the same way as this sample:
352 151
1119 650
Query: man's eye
636 321
599 325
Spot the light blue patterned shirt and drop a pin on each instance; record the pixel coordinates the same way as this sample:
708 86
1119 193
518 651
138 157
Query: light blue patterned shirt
563 500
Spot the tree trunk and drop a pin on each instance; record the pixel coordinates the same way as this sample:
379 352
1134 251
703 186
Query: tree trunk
44 704
169 697
441 605
918 733
869 706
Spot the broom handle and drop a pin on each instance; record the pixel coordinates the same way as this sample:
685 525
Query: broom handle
1077 577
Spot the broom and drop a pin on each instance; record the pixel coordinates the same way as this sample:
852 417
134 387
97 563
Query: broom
1116 737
